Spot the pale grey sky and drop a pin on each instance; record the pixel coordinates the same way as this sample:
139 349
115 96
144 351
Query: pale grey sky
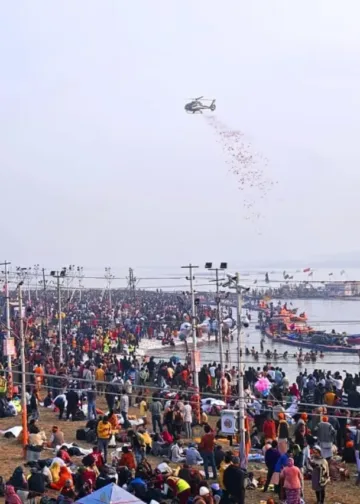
101 166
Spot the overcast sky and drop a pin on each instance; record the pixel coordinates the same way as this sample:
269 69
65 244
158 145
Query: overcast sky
101 165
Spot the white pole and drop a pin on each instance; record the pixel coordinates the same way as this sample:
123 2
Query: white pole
241 377
8 324
221 349
193 316
60 319
23 369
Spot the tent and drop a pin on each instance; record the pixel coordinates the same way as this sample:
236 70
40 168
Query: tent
110 494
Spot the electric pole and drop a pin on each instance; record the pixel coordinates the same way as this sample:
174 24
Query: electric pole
109 277
132 282
23 370
58 275
45 296
234 283
80 274
223 266
195 356
241 373
7 301
36 275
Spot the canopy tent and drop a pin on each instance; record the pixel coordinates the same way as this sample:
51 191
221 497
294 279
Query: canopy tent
110 494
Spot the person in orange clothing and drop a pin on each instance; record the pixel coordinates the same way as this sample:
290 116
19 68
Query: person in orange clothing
39 377
247 436
100 377
269 428
114 421
127 458
64 476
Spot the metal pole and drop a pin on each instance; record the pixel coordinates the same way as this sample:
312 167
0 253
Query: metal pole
60 319
190 267
221 346
193 323
45 296
8 324
23 372
242 449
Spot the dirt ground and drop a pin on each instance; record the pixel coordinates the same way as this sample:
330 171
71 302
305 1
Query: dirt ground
11 456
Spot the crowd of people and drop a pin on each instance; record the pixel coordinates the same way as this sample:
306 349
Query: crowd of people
306 429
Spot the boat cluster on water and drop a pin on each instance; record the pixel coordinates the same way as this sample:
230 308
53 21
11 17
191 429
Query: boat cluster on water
283 324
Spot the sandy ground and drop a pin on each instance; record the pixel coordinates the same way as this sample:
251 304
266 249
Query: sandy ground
11 455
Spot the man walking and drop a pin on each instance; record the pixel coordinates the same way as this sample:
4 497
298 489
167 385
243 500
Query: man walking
272 455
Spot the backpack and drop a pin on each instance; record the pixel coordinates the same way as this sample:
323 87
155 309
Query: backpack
90 436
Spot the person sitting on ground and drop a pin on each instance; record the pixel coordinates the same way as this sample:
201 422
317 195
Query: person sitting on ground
55 470
127 458
159 448
64 475
68 490
36 483
11 496
104 478
217 493
204 497
98 457
18 479
166 436
86 489
192 455
56 438
176 453
87 474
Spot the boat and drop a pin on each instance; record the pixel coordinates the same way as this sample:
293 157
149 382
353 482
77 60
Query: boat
287 340
352 339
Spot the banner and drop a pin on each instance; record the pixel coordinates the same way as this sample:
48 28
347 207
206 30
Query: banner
9 347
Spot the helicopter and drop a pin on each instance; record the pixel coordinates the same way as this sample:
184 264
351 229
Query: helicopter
196 105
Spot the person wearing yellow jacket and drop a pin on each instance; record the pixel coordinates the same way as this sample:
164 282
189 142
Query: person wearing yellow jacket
223 466
104 432
180 488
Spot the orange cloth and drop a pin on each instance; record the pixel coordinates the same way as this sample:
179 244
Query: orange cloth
113 420
127 459
64 475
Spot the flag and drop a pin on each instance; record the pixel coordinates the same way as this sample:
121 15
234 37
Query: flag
310 274
342 272
331 274
306 270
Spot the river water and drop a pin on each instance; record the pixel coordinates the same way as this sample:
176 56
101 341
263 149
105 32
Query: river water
343 316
